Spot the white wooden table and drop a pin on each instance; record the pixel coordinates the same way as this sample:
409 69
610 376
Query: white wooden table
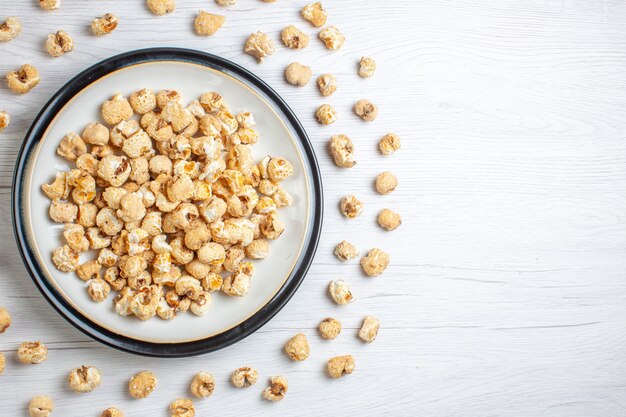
506 295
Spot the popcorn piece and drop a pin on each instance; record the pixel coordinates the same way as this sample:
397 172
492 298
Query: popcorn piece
104 25
340 366
203 385
142 384
207 24
84 379
345 251
375 262
116 110
327 84
326 114
65 259
386 182
294 38
297 74
258 249
351 206
332 38
367 67
369 329
32 352
161 7
40 406
340 292
389 220
182 407
244 377
5 120
342 150
366 110
5 319
88 270
315 14
297 348
98 289
329 328
259 45
10 29
277 389
112 412
74 235
59 43
143 101
389 144
63 212
96 134
50 4
24 79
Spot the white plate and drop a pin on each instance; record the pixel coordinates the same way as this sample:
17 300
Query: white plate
192 73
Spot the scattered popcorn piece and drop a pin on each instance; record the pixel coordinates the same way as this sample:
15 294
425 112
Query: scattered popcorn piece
297 74
40 406
367 67
351 206
59 43
342 150
182 407
161 7
50 4
389 144
112 412
226 2
340 366
340 292
329 328
386 182
5 120
369 329
5 319
327 84
315 14
142 384
366 110
244 377
207 24
10 29
104 25
332 38
84 379
345 251
375 262
294 38
23 80
389 220
259 45
297 348
326 114
203 385
277 389
32 352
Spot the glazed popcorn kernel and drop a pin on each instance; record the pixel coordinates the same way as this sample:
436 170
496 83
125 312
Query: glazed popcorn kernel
5 120
315 14
340 292
65 259
389 144
84 379
259 45
104 25
112 412
389 220
142 384
386 182
50 4
375 262
98 289
366 110
277 389
143 101
244 377
332 38
294 38
59 43
342 150
40 406
345 251
3 361
71 147
369 329
10 29
297 348
326 114
367 67
32 352
96 134
329 328
161 7
5 319
327 84
226 2
203 385
116 110
207 24
297 74
351 206
182 407
24 79
340 366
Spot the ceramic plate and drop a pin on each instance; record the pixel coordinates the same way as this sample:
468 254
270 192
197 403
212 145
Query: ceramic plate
191 72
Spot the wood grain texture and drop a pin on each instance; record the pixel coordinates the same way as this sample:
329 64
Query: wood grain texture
507 288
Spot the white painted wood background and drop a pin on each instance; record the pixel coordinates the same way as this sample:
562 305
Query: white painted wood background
506 295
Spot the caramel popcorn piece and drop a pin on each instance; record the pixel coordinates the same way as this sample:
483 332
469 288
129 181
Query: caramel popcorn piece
294 38
386 182
326 114
315 14
340 292
59 43
369 329
207 24
375 262
297 348
297 74
24 79
161 7
333 39
366 110
40 406
277 389
345 251
104 25
389 144
142 384
351 206
244 377
329 328
340 366
10 29
367 67
389 220
342 150
259 45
